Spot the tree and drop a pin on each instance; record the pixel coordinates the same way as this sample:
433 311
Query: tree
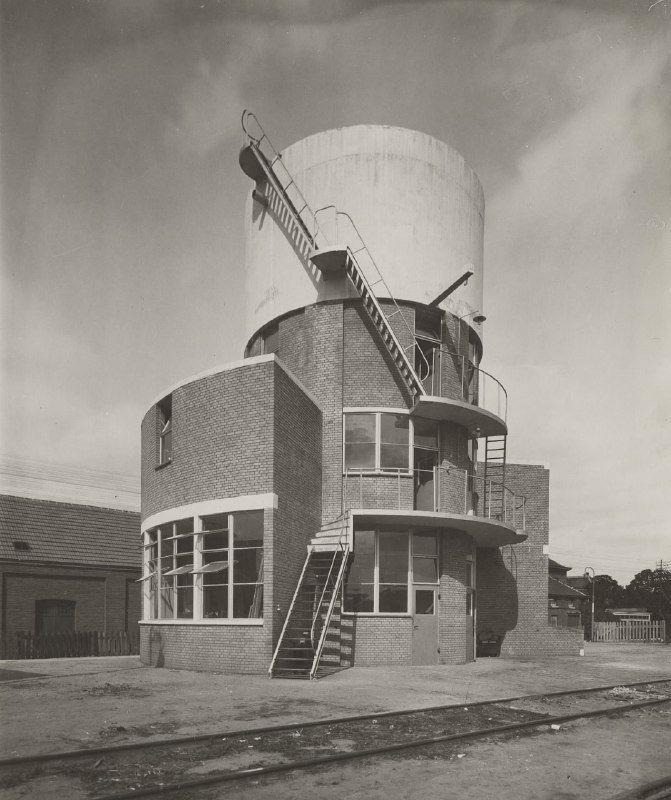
651 589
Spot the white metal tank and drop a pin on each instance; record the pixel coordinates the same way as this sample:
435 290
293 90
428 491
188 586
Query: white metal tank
416 203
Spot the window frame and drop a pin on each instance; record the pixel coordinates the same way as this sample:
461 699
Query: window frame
165 431
377 469
160 579
411 582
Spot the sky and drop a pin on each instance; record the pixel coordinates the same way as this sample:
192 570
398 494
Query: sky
122 221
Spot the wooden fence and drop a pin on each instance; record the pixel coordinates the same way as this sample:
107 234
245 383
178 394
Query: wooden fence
72 644
629 630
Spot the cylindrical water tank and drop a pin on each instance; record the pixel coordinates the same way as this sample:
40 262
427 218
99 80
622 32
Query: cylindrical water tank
418 207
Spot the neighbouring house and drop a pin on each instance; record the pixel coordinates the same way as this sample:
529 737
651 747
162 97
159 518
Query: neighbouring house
66 567
563 600
319 503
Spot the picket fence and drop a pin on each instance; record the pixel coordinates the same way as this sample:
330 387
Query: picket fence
73 644
630 630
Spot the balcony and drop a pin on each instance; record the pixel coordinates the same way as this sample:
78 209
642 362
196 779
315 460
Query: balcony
458 391
442 497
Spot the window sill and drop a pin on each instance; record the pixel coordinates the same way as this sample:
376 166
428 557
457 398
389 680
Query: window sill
378 473
163 465
201 622
378 614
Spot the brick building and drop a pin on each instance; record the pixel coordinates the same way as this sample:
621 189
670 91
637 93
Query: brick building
321 503
67 567
564 600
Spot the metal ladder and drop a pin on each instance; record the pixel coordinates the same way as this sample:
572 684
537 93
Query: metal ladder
301 644
495 477
260 160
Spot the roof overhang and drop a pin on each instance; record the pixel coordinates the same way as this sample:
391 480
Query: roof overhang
445 409
484 532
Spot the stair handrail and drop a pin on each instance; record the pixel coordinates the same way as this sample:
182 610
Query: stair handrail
267 165
329 613
481 373
288 616
388 293
318 605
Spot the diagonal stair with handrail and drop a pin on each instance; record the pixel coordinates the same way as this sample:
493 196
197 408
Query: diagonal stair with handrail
260 160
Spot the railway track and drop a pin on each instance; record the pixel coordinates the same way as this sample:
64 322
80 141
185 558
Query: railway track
172 766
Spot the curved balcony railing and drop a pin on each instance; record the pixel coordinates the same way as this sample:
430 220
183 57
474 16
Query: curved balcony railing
447 374
443 489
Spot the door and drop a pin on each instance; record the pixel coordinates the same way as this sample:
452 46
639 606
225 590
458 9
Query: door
424 597
425 462
470 610
424 626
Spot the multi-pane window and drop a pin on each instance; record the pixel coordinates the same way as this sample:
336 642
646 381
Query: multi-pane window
175 577
385 564
165 430
212 571
377 441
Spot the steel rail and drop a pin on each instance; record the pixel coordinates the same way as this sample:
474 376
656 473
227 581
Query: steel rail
270 729
480 733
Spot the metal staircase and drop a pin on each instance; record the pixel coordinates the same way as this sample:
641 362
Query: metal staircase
261 161
495 477
301 644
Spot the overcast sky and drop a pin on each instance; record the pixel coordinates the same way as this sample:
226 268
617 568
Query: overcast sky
122 227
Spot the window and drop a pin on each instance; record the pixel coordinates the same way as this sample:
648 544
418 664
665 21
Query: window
377 441
554 620
554 603
210 567
271 339
427 346
378 578
165 431
571 603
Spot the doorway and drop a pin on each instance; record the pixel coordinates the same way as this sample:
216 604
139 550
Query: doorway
424 598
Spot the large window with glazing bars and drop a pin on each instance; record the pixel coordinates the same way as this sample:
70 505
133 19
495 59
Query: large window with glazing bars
376 441
205 568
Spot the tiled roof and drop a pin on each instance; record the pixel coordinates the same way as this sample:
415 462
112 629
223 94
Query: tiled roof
557 588
68 533
552 564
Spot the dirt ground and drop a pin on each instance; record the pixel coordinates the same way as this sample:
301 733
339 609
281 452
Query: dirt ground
66 704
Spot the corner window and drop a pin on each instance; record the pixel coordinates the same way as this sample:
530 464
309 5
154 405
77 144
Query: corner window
377 441
165 431
210 567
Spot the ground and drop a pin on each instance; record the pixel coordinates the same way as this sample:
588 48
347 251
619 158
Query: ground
74 702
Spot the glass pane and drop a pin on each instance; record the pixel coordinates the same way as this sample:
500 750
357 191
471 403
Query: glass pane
215 541
425 544
393 560
247 565
215 522
360 456
185 601
360 427
215 602
394 456
184 526
425 570
424 601
469 574
394 428
185 547
248 528
248 601
393 599
359 596
363 563
426 433
166 601
428 325
218 578
271 340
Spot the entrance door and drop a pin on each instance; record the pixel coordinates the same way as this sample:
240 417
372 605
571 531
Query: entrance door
470 610
425 626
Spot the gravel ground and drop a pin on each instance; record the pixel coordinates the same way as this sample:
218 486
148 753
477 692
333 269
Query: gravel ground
75 702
